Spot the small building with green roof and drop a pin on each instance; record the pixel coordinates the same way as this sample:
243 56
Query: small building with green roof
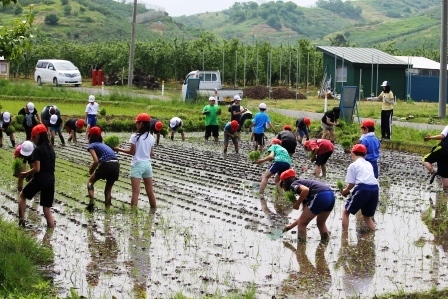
366 68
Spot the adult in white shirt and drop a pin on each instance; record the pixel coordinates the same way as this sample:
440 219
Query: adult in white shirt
142 149
91 113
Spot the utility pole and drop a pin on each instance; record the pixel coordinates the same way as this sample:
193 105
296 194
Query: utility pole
131 54
443 52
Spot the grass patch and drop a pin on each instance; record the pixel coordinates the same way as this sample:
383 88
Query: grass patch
20 258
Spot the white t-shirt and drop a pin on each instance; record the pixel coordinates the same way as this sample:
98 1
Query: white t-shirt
445 131
92 109
143 147
360 172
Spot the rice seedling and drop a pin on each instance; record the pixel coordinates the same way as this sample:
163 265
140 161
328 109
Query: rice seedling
112 141
254 155
17 166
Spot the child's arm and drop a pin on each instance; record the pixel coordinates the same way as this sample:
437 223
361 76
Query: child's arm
304 190
347 189
95 162
129 151
265 159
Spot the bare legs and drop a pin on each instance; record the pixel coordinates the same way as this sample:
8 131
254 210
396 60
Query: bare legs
22 208
303 221
135 182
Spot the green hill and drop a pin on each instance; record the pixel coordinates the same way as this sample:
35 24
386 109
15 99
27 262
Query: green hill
407 23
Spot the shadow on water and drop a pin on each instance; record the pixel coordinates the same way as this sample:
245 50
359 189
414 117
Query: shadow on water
436 219
357 260
103 252
311 280
139 263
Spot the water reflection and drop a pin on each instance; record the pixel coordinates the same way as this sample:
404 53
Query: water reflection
103 252
312 280
357 260
277 218
436 219
139 263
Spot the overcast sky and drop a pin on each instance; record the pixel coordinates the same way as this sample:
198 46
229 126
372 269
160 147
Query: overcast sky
177 8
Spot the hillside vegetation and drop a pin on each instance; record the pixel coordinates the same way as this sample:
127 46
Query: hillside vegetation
406 23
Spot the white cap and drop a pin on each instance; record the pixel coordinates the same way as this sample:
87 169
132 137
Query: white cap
211 99
6 117
30 107
53 119
173 123
262 106
91 98
385 83
237 98
27 148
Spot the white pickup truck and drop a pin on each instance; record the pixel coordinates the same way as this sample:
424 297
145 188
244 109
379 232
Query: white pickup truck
210 85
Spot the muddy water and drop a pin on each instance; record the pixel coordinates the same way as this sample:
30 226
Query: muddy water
212 234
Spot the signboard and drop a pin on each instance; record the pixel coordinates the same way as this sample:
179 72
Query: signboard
349 95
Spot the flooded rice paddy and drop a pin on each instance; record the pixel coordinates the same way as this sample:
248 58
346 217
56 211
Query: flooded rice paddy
211 234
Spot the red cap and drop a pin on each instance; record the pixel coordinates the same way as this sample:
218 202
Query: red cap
368 123
290 173
276 141
38 129
287 127
307 121
80 123
158 126
95 131
143 117
359 148
234 125
307 144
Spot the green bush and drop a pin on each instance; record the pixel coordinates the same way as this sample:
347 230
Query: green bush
290 196
254 155
20 258
112 141
16 166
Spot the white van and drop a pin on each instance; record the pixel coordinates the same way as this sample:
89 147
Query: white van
58 72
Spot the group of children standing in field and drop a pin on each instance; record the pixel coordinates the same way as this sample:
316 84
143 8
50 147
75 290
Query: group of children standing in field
316 197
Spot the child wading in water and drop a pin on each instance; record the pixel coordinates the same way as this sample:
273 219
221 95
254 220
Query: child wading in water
104 166
365 195
43 165
142 149
317 199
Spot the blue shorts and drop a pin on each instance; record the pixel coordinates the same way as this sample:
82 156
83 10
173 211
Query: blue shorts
365 198
141 170
279 167
322 159
91 120
55 129
303 132
375 168
322 202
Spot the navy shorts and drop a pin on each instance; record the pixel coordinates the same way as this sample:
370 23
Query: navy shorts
279 167
365 198
259 138
46 187
322 202
303 132
439 155
375 168
322 159
91 120
211 130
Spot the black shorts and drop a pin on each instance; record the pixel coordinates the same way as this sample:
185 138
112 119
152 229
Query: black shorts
6 131
211 130
322 159
259 138
290 146
44 184
108 171
439 155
